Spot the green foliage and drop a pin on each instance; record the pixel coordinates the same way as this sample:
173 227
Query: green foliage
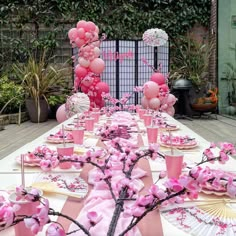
118 18
39 78
190 60
11 96
54 100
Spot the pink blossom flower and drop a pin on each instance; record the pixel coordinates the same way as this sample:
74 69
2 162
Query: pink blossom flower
137 211
46 165
93 217
55 230
157 192
231 187
223 157
33 224
6 215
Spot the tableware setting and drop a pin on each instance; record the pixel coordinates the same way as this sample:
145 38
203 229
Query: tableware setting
177 141
69 184
60 137
33 158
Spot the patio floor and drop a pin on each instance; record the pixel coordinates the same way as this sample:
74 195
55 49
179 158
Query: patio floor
15 136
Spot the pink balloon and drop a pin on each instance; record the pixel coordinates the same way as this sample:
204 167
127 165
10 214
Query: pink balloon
158 78
61 114
80 71
171 99
81 33
95 36
90 26
151 89
87 81
97 29
170 111
102 87
81 24
164 88
73 34
83 62
144 102
96 51
84 89
154 103
79 42
97 66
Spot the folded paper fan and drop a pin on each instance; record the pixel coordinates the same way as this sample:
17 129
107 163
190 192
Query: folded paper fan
77 103
155 37
207 217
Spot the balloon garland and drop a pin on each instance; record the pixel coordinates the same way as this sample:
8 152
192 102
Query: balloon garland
87 72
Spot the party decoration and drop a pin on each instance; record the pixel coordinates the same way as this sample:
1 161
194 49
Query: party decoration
77 103
154 103
87 73
159 78
61 114
155 37
97 66
151 89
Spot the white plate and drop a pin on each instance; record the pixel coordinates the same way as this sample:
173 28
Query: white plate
179 146
69 182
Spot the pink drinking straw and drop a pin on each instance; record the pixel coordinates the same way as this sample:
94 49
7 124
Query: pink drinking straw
22 170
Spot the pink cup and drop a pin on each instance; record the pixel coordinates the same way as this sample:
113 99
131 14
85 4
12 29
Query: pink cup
152 133
141 112
174 162
66 150
89 124
26 208
147 118
78 135
96 116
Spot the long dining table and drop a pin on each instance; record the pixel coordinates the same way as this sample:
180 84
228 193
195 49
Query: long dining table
10 169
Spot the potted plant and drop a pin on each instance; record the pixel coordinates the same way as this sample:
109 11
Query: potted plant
39 79
190 60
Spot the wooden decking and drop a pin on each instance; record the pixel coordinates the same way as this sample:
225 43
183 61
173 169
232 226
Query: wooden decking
15 136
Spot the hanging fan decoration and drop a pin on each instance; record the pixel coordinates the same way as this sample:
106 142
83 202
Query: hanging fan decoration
207 217
155 37
77 103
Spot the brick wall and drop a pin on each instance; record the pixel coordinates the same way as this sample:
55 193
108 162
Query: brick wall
213 39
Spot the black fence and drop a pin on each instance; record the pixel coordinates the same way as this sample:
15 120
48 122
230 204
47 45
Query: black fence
126 67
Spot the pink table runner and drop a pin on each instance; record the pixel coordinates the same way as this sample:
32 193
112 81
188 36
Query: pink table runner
150 225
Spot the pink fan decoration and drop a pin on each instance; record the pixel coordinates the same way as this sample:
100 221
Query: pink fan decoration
155 37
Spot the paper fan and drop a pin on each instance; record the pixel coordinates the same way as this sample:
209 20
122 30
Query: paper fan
77 103
208 217
155 37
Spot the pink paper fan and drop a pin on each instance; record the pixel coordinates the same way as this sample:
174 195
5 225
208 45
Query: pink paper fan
155 37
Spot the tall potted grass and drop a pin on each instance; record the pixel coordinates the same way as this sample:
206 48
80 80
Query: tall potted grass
39 79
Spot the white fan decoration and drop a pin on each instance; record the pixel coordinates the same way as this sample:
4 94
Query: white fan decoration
77 103
212 217
155 37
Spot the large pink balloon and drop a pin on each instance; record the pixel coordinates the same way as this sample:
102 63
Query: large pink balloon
83 62
80 71
170 111
81 24
102 87
171 99
151 89
61 114
90 26
154 103
158 78
81 33
73 34
97 65
79 42
144 102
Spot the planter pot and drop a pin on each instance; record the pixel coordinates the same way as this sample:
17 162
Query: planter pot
37 115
